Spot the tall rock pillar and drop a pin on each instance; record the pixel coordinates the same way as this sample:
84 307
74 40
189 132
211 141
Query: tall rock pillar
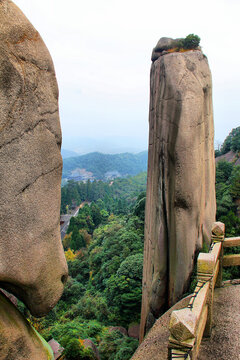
181 205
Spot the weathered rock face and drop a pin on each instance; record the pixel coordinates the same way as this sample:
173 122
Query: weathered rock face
180 205
18 339
32 262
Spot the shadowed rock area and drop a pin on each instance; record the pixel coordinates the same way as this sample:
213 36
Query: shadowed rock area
180 206
32 262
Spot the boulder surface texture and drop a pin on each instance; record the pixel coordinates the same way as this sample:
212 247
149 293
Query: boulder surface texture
32 262
18 339
181 205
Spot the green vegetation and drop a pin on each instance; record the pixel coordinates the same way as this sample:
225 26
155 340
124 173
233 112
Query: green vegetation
104 250
227 194
190 42
231 143
228 185
101 164
117 196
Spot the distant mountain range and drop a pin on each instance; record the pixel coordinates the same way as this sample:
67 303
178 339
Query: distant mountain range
68 153
104 166
105 145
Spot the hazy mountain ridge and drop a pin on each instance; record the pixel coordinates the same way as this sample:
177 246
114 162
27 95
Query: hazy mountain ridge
104 166
68 153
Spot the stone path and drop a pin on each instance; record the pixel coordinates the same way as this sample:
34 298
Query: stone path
224 343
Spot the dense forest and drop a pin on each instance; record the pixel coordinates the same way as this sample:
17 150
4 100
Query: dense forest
117 195
228 184
228 193
104 251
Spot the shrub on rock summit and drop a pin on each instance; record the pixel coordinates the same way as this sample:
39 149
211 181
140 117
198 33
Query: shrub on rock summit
191 41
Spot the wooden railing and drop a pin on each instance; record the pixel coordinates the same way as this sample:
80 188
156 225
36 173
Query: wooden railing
189 325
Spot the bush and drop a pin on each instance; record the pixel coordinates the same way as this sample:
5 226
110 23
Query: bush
91 307
73 291
74 351
191 41
116 346
124 290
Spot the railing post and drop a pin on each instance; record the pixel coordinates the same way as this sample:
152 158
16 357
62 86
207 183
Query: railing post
178 355
205 271
218 235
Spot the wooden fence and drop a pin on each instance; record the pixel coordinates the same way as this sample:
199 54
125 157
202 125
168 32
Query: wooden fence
189 325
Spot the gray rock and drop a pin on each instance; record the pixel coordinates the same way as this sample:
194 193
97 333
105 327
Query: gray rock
180 205
32 262
164 44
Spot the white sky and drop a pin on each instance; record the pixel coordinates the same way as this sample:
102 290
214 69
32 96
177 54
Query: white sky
102 50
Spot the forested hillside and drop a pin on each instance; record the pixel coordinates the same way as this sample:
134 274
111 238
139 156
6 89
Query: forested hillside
231 143
104 166
228 183
228 191
116 195
104 250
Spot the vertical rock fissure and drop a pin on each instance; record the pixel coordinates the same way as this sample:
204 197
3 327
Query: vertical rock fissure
167 241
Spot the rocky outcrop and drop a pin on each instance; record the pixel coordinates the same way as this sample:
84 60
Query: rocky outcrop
180 205
32 262
87 343
230 156
18 339
56 348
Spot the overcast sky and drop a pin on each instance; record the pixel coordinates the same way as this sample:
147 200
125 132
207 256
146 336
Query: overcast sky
102 50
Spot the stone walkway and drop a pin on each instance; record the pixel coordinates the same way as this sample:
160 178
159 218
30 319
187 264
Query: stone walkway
224 343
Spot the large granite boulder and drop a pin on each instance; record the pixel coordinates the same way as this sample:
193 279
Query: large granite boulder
18 339
180 205
32 262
